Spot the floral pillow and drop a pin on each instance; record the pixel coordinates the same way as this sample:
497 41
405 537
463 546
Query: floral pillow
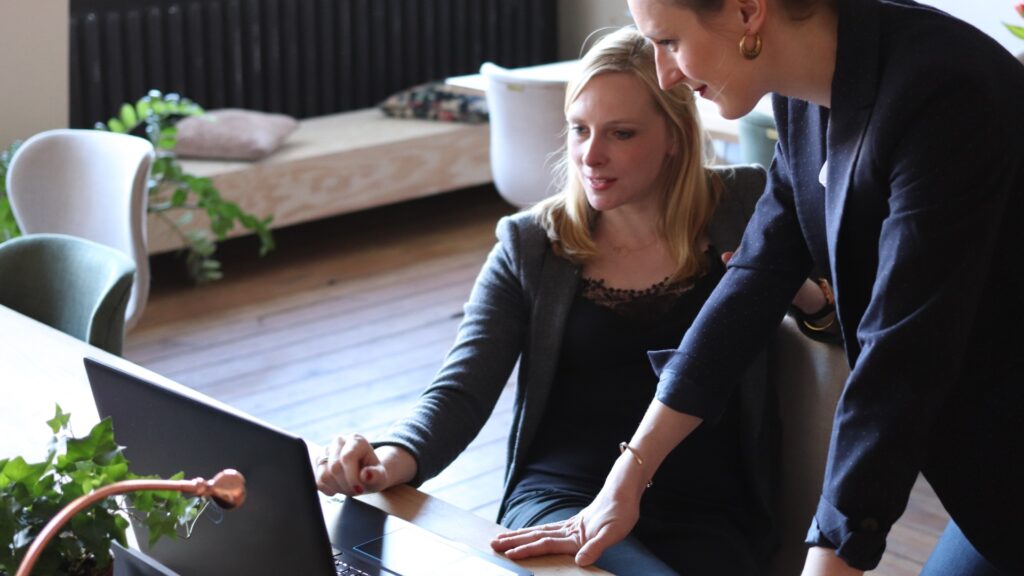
436 101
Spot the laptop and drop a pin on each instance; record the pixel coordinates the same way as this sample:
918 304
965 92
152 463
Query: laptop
282 527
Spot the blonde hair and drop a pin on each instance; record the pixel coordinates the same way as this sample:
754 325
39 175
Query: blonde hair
690 190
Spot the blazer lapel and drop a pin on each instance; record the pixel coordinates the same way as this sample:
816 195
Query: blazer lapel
555 291
854 87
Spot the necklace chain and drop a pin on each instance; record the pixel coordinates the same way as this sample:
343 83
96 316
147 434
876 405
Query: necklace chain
621 249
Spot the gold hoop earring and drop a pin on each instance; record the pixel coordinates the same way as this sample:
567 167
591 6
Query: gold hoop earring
750 52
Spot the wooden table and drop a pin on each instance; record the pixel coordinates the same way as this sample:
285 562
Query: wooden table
40 366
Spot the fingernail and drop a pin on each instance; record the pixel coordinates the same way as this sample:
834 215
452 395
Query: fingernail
358 489
368 476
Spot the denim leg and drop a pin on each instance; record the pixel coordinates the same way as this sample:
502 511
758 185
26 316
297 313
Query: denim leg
625 558
954 556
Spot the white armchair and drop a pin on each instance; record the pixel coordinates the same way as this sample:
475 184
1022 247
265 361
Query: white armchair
91 184
527 120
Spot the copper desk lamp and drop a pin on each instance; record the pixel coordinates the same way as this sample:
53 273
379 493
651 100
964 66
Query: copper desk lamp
227 489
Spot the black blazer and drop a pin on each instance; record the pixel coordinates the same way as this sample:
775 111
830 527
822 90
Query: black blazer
918 225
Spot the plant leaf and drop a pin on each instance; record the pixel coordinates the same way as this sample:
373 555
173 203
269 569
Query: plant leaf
100 440
16 470
60 420
129 117
1017 31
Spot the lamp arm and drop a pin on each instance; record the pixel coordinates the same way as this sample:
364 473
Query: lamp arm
227 489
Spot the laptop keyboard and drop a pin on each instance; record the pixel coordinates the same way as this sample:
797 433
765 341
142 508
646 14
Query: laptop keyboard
343 568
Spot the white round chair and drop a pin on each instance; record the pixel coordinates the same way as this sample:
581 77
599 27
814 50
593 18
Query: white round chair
527 123
91 184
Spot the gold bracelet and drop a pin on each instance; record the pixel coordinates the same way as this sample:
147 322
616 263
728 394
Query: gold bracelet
623 446
823 327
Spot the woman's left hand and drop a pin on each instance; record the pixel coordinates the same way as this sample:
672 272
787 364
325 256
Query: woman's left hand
605 522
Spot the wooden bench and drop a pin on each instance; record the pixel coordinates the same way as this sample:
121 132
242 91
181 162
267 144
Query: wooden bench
343 163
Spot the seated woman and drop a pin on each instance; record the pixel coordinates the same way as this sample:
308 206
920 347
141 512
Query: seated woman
578 290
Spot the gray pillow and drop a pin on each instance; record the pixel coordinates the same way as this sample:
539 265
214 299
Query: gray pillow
233 134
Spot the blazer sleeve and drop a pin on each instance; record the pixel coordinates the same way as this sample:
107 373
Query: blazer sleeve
452 410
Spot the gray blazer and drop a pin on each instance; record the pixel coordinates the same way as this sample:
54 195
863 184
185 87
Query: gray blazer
517 311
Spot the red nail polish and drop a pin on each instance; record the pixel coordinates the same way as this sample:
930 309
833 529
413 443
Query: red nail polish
369 476
358 489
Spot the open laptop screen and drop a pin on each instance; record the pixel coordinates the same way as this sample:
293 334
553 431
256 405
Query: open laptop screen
279 529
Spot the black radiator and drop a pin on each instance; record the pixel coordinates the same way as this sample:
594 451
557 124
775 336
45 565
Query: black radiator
301 57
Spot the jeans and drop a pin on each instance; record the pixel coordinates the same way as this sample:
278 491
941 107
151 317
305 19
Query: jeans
954 556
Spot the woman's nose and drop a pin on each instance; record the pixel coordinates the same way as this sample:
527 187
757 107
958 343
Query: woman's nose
593 153
669 74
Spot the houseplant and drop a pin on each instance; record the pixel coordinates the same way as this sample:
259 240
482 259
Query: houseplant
32 493
175 195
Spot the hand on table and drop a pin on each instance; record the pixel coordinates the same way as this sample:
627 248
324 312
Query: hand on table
351 466
605 522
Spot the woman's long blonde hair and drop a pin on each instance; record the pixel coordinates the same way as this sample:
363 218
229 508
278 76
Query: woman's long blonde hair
690 190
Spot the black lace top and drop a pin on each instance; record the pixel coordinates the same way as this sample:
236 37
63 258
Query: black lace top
646 305
605 384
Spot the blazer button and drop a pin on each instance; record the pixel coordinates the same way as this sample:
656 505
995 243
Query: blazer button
869 525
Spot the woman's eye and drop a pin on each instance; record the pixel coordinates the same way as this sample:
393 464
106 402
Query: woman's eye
577 130
669 45
624 134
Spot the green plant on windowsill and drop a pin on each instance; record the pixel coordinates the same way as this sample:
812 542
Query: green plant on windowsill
175 195
31 494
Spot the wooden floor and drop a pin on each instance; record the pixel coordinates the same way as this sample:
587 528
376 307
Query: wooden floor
341 328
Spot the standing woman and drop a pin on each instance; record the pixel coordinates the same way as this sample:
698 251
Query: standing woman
900 170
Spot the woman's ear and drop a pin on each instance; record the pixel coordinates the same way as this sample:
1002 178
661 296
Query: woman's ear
752 14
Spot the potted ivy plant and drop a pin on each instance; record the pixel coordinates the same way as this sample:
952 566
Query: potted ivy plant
32 493
174 195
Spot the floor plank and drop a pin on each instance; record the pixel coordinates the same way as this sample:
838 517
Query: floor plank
341 328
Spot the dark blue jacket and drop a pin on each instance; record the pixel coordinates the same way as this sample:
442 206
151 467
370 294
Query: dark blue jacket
920 225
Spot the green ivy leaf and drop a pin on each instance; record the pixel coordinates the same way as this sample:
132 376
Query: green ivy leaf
116 125
18 471
179 197
142 108
1017 31
128 116
100 440
59 421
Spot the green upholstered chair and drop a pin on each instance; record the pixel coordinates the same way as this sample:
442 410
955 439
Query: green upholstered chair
87 183
75 285
757 138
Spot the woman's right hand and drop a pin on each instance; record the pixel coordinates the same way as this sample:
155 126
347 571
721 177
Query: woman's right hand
351 466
